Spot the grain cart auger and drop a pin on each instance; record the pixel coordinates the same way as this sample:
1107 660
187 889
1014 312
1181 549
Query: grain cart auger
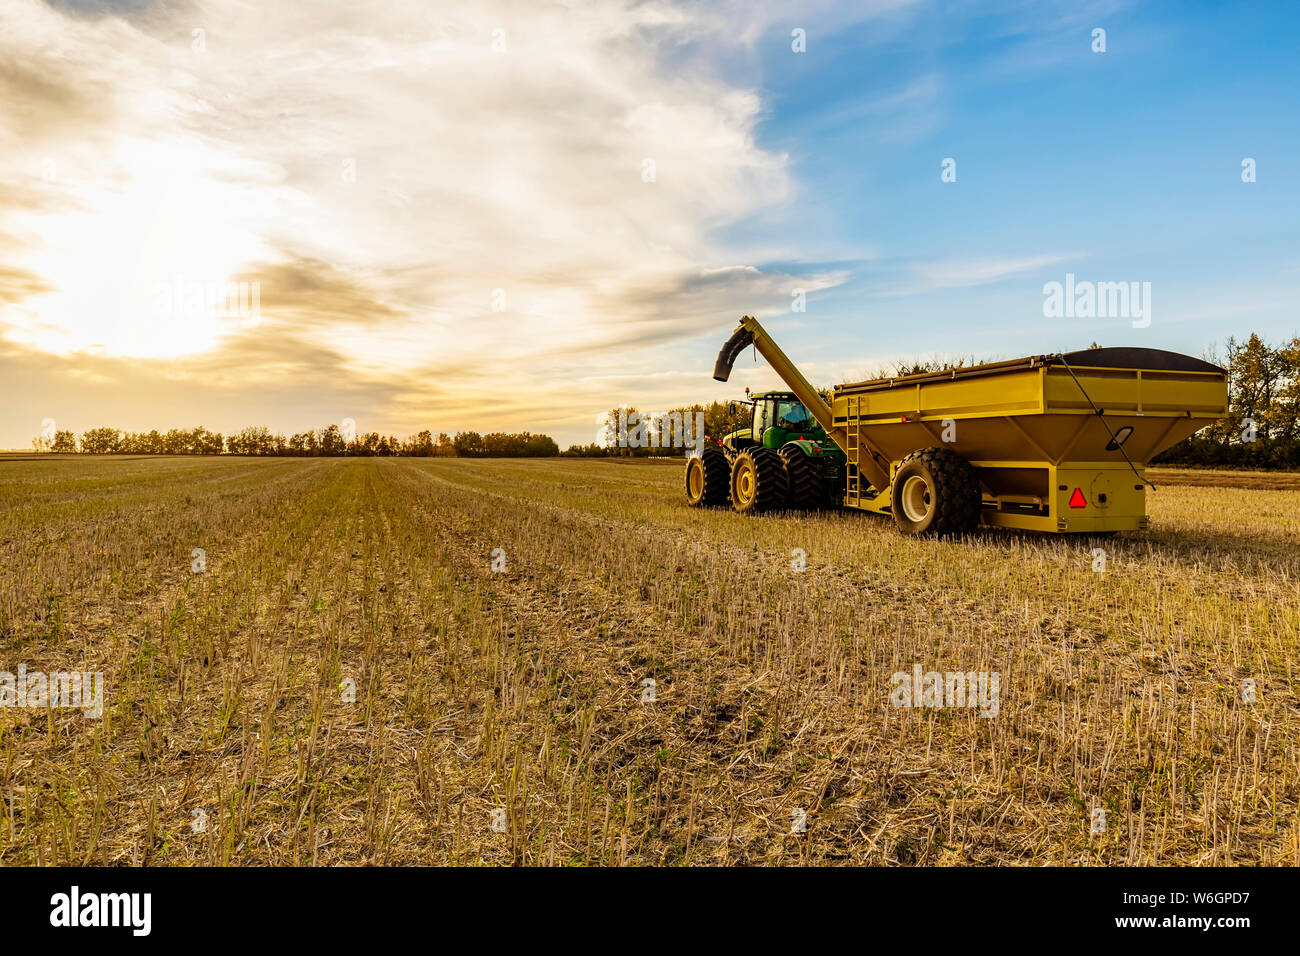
1045 443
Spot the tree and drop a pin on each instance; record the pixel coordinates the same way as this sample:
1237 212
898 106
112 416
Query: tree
100 441
540 446
1262 428
254 440
1254 371
1286 402
331 441
421 444
468 444
64 442
175 442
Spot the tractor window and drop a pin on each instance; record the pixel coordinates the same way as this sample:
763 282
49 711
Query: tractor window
793 417
762 419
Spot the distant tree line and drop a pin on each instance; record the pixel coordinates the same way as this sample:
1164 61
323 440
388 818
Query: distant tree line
327 442
662 430
1262 429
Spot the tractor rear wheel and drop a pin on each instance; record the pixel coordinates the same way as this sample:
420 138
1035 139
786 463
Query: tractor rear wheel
707 479
935 491
804 478
758 481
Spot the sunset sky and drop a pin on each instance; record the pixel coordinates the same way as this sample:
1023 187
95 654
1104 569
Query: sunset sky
510 216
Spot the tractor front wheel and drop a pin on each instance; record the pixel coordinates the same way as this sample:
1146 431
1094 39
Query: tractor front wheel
935 491
706 479
758 481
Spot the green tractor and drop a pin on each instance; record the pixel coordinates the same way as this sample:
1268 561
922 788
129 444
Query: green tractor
784 460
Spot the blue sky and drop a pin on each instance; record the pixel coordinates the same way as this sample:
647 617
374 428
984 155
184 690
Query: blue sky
487 215
1127 164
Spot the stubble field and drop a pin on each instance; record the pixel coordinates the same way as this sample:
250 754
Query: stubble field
359 676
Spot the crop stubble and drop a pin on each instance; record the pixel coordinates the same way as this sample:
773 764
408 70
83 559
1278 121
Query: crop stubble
498 716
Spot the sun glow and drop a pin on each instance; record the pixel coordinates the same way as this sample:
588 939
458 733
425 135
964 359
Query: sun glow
142 261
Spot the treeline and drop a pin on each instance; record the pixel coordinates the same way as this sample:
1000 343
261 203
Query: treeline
1262 429
327 442
720 418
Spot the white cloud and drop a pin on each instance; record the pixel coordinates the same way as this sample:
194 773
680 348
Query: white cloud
920 278
476 170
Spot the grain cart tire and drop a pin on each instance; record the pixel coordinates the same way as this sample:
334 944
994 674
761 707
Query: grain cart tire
707 479
936 492
807 490
758 481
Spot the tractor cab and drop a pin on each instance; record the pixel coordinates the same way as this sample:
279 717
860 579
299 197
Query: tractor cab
778 418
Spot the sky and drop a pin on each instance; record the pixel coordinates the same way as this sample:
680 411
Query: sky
516 215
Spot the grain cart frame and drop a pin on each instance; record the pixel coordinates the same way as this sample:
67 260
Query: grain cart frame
1055 443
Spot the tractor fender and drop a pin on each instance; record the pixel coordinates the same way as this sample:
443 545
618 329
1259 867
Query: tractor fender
809 448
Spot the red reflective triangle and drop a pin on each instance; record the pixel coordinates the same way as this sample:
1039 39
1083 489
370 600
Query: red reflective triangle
1077 500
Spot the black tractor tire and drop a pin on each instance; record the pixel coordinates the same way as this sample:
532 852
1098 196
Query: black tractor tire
708 479
758 481
804 476
935 492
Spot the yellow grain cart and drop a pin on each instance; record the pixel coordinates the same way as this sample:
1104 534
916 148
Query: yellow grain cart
1045 443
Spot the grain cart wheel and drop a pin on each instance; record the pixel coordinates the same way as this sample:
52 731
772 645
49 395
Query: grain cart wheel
935 491
758 481
804 478
706 479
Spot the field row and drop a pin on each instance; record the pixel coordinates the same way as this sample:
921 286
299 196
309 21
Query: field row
554 662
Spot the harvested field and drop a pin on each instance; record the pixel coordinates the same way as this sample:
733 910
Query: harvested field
1217 478
503 710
